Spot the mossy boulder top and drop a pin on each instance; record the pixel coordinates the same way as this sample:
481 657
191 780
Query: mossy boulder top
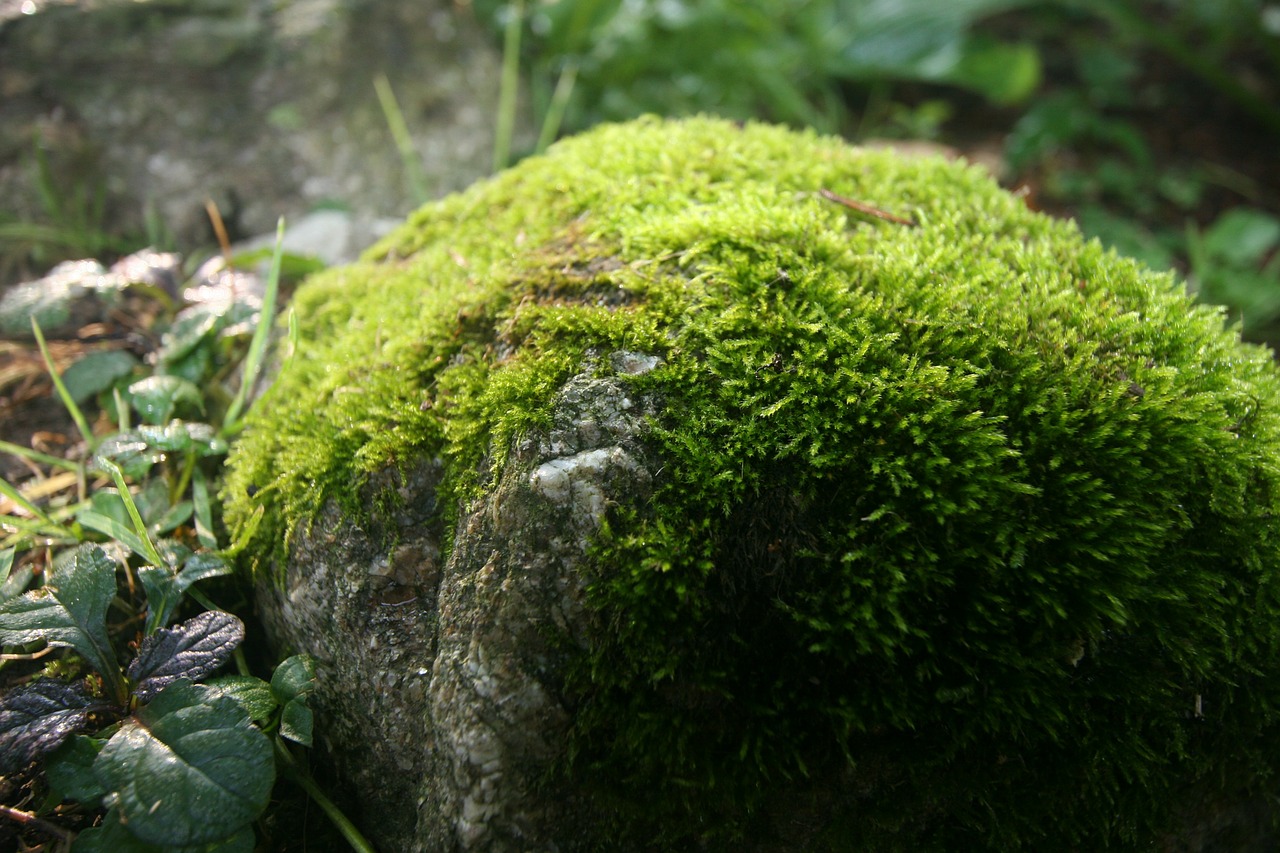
801 497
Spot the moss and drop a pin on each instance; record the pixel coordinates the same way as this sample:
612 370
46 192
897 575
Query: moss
972 523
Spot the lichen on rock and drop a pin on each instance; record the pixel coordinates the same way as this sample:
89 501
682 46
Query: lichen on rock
642 497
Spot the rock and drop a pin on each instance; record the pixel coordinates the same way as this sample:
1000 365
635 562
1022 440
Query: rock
267 109
646 498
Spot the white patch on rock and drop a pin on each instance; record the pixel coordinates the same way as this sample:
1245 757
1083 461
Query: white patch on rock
574 481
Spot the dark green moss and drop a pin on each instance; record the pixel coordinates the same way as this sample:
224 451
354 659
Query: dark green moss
968 529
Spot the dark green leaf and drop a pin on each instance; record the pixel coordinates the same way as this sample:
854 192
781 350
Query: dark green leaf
183 437
189 330
253 694
193 650
15 580
70 770
295 677
70 610
157 397
165 585
35 719
96 372
189 768
295 722
130 451
1242 237
112 837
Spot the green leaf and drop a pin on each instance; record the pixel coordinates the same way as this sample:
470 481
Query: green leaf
191 650
296 723
295 677
166 583
15 580
70 770
70 610
157 397
37 717
253 694
96 372
1242 237
1004 73
111 837
292 682
189 768
114 837
113 528
189 331
72 409
183 437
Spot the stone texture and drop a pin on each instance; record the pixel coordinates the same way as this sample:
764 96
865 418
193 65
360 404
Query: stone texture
267 109
459 665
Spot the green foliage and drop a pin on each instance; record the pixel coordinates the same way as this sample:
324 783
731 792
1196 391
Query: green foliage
781 59
175 765
970 524
1236 261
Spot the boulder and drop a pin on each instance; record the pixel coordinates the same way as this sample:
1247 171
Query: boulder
142 111
708 486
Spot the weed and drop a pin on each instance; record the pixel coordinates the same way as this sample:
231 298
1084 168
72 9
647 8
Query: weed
175 755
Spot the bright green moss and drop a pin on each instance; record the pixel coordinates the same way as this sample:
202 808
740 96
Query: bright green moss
973 523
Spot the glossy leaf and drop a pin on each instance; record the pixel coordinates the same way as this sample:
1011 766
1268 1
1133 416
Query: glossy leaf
189 768
295 677
296 722
70 610
36 718
96 372
193 650
165 584
292 683
157 397
111 837
70 770
253 694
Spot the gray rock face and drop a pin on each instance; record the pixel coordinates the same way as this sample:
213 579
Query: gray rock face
267 109
460 664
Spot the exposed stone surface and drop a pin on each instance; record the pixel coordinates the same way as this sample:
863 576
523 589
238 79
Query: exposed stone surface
459 665
268 109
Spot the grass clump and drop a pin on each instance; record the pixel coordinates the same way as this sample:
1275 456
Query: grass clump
964 533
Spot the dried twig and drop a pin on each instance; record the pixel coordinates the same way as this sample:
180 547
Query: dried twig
862 207
27 818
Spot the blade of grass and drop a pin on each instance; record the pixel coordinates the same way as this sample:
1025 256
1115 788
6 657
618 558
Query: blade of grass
78 416
203 510
42 522
403 139
504 129
37 456
149 551
261 336
15 580
108 526
559 103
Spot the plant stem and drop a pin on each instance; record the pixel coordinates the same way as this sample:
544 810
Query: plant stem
403 139
78 416
261 335
299 775
556 109
506 124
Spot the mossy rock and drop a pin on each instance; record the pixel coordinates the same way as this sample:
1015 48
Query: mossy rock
949 530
